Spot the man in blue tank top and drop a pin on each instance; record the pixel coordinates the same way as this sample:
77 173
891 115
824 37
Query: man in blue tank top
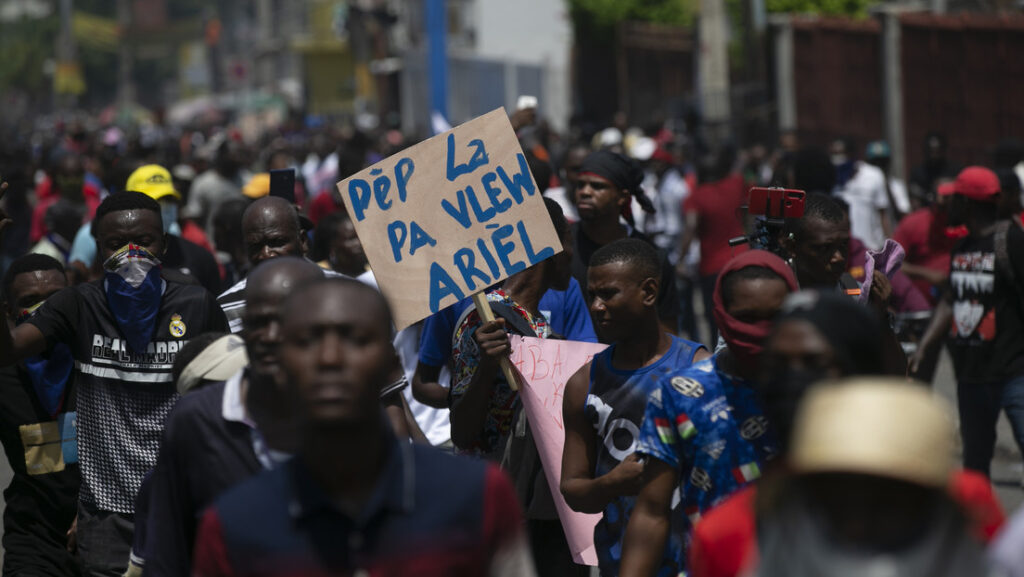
605 400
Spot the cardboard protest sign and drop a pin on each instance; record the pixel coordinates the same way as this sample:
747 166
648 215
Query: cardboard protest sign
545 366
449 217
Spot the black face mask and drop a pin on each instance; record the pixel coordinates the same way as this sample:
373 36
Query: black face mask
780 398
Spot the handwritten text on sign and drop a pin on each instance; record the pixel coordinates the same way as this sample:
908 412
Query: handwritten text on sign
449 217
546 366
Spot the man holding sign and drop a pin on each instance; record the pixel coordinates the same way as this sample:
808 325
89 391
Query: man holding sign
449 217
444 220
605 400
483 406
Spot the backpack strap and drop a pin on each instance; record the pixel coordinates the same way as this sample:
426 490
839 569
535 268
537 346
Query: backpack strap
1001 241
1003 263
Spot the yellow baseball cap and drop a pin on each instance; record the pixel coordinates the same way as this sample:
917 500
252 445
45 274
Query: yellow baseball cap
152 180
258 186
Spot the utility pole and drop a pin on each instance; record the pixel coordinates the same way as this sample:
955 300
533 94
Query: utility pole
66 64
892 85
437 60
713 69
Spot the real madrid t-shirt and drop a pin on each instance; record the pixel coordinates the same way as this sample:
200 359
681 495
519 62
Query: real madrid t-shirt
123 396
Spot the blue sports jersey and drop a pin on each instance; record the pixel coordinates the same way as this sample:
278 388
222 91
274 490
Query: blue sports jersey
615 407
566 312
708 426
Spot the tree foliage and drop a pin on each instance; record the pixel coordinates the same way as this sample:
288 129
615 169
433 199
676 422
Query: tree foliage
857 8
599 17
27 44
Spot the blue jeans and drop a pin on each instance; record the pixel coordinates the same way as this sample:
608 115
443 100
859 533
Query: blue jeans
979 406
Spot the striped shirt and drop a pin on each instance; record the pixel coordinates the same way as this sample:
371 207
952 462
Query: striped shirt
232 301
123 396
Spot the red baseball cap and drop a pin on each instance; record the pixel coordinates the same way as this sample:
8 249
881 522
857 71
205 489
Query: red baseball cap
946 189
977 183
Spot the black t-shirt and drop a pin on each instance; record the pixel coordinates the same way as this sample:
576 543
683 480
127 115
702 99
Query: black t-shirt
123 397
40 506
987 335
191 259
202 456
668 298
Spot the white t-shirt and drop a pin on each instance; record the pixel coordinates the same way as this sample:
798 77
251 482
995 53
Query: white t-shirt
865 193
560 194
433 422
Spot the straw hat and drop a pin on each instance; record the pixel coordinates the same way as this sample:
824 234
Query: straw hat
877 426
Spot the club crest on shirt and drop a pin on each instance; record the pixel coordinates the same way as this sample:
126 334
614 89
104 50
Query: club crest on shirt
701 479
754 428
688 387
177 326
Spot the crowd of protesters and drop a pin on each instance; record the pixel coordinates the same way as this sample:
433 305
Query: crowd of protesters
203 378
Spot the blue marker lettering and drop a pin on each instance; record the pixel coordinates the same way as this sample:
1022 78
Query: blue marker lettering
403 172
518 182
504 249
486 253
381 185
359 193
547 252
481 214
465 261
442 285
461 214
478 159
480 156
396 236
493 192
418 238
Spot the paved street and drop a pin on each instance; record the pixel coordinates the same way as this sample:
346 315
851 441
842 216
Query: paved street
1007 468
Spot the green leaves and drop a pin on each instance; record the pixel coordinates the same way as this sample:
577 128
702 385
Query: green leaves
601 16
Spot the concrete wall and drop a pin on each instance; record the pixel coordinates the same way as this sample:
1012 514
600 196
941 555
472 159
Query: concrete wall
536 32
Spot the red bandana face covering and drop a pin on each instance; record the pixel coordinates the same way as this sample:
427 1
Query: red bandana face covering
745 339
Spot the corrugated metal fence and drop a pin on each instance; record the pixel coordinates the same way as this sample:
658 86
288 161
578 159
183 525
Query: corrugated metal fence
962 76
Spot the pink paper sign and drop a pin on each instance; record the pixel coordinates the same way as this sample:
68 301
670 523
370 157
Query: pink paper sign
545 366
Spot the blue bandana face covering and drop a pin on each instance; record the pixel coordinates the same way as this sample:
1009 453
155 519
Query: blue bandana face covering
49 375
134 290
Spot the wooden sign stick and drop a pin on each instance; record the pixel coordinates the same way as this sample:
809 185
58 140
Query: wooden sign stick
483 308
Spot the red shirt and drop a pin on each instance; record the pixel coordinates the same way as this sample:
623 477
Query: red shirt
48 196
322 206
717 204
192 232
725 540
924 238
